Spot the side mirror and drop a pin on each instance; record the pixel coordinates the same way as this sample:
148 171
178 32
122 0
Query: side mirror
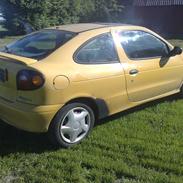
176 51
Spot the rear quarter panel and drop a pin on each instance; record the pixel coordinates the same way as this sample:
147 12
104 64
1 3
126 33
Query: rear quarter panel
106 81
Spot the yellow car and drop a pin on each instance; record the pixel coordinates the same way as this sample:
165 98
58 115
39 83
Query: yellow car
61 80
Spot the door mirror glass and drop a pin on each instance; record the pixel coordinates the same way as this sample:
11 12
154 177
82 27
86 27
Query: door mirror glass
176 51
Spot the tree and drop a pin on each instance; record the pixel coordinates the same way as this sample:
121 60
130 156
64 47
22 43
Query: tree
45 13
107 10
9 13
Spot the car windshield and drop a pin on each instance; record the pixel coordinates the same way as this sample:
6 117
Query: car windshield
40 44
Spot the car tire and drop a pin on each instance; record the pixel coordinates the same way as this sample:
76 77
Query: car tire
71 125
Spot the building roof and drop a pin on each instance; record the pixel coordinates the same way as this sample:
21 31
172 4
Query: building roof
82 27
158 2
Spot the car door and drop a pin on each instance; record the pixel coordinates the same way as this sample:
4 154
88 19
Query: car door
149 72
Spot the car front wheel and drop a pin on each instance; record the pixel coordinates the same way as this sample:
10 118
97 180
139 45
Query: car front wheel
71 125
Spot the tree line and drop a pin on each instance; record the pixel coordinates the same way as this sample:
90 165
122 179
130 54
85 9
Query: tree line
45 13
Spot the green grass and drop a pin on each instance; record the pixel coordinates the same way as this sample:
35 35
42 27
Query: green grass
2 28
143 145
177 42
7 40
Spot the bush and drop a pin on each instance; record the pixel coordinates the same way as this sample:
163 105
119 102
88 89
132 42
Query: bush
45 13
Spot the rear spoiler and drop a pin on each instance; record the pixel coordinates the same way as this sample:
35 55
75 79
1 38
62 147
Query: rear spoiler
16 59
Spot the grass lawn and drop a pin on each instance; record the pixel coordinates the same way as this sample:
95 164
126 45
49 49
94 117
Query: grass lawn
7 39
144 145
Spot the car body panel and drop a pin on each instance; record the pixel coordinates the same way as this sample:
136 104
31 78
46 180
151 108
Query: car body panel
110 83
152 79
27 117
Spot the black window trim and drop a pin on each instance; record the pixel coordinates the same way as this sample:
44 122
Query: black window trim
98 63
146 58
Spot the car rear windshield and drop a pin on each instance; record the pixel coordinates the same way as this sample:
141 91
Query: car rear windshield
40 44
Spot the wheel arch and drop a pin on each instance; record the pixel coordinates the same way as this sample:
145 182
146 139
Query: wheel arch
99 106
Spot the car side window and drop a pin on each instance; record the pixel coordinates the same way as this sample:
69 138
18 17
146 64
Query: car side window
142 45
100 50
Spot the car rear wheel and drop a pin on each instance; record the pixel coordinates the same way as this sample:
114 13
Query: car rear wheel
71 125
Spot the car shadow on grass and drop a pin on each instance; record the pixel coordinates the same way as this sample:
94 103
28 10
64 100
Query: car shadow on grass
13 140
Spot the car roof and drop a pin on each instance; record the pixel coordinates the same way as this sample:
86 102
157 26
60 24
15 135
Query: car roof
82 27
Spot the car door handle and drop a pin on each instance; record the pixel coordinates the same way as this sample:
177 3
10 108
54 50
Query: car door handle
134 71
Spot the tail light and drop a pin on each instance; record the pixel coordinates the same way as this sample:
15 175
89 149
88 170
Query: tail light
29 80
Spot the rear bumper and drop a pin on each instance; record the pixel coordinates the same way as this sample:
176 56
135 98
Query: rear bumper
28 117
